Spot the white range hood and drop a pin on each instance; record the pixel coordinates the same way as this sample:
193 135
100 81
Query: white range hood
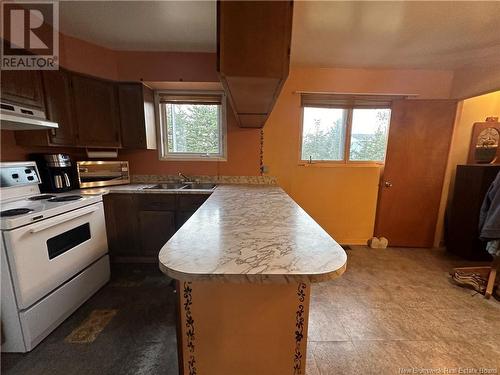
14 117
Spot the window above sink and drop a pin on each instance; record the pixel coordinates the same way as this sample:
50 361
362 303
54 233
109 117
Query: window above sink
192 125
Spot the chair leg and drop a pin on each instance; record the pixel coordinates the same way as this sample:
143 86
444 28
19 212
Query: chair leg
491 278
491 283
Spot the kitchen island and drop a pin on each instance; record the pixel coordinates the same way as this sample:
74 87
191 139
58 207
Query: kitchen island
245 262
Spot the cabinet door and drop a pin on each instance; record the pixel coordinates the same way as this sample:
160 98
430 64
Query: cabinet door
96 112
57 89
183 216
155 229
22 87
121 224
132 115
137 117
187 205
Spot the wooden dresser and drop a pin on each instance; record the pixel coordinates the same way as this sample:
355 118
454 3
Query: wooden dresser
462 232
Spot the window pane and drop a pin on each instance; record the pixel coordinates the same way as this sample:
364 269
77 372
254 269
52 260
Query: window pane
323 133
193 128
369 134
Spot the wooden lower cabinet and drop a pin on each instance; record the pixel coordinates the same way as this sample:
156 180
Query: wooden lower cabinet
155 229
187 206
121 225
182 217
138 225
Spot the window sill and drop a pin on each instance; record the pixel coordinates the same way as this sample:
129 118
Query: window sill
340 164
193 158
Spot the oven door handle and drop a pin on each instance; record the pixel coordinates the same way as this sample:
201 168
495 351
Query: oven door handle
74 215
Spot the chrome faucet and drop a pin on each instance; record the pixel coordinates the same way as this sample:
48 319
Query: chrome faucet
184 177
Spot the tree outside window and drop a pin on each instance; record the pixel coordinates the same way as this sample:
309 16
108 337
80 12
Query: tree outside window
324 134
192 125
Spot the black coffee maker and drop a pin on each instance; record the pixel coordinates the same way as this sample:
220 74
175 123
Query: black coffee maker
56 171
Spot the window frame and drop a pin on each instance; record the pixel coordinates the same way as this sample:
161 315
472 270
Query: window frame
161 126
347 142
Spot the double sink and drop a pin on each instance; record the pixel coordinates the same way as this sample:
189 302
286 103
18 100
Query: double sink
183 186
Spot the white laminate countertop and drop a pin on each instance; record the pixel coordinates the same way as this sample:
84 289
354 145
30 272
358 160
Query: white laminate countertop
252 233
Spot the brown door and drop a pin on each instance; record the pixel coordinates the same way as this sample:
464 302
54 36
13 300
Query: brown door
417 153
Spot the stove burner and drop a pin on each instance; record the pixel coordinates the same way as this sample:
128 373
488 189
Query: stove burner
66 198
15 211
40 197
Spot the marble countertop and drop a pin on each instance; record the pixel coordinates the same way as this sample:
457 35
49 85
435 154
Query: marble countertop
252 233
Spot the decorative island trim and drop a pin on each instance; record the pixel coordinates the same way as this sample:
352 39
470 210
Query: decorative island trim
190 331
299 329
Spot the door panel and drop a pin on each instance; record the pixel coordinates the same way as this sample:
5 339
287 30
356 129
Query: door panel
417 153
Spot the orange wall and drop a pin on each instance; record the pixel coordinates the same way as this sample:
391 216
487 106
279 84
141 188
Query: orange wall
167 66
341 198
84 57
81 56
243 157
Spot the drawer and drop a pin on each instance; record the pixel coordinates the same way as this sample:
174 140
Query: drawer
192 201
156 202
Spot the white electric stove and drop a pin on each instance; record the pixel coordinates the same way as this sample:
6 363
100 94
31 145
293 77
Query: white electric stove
54 255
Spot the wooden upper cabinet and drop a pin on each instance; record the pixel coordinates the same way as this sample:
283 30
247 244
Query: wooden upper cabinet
58 108
253 55
57 89
96 111
137 116
22 87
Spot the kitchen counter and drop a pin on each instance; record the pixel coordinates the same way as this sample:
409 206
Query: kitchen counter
252 233
139 189
244 264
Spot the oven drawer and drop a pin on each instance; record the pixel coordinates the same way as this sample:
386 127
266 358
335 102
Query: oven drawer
44 255
44 316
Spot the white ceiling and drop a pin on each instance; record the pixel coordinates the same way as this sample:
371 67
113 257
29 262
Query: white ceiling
442 35
417 34
142 25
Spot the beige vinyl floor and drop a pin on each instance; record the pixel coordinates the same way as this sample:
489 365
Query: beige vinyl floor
394 311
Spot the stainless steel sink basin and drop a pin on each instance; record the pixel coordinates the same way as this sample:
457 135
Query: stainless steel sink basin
167 186
205 186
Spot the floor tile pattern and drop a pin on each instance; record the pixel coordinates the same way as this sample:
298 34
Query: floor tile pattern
396 310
